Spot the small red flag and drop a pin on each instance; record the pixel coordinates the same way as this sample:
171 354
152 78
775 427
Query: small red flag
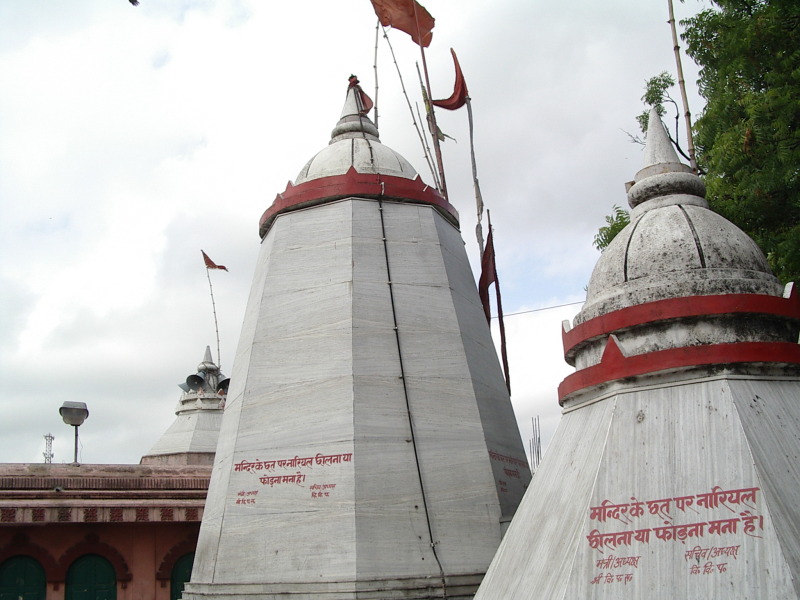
210 264
460 93
488 276
364 102
408 16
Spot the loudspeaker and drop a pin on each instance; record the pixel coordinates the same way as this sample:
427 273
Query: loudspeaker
195 382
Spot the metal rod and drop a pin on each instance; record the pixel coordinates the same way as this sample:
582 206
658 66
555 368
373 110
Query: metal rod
214 309
76 445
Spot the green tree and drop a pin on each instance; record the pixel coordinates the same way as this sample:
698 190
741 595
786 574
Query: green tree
615 222
655 94
748 136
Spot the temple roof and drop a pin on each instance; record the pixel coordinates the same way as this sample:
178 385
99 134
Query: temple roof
674 246
355 164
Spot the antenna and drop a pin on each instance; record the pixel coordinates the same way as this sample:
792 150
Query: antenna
535 444
48 449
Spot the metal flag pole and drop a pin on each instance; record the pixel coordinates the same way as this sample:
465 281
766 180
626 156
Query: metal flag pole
210 264
214 309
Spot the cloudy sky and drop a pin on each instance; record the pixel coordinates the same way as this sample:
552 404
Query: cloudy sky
132 137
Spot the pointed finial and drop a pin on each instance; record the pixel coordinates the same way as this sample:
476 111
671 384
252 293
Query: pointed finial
663 174
354 121
658 148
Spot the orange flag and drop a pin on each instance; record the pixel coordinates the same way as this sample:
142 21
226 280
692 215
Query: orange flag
460 93
488 276
210 264
364 102
408 16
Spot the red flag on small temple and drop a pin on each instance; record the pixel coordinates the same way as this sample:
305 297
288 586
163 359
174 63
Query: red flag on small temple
408 16
460 93
210 264
365 103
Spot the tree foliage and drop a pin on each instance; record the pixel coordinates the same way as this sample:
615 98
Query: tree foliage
748 137
655 94
615 222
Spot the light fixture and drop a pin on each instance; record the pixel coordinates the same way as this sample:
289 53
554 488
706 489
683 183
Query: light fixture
74 413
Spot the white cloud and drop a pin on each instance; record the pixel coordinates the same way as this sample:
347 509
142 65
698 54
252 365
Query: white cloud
130 138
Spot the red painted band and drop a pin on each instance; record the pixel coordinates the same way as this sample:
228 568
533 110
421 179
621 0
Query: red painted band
614 365
355 184
674 308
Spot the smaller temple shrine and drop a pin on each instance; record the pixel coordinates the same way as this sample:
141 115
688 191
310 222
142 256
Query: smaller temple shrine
192 438
113 531
674 470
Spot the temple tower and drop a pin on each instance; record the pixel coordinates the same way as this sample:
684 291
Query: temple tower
192 437
674 471
368 447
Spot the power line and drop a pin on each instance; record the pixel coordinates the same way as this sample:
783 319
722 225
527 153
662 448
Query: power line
524 312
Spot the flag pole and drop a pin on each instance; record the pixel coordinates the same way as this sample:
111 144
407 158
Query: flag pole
476 185
435 133
420 134
210 264
375 68
682 85
434 127
214 309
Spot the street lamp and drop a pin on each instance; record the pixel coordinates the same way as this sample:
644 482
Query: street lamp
74 413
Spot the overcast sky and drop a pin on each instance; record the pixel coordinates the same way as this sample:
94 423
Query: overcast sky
132 137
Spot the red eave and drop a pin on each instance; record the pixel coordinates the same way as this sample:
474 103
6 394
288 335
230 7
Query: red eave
355 184
675 308
614 365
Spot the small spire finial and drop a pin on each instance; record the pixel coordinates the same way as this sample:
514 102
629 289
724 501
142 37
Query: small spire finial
658 148
663 174
353 119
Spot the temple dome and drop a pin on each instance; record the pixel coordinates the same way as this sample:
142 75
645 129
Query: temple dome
355 144
679 289
674 246
355 165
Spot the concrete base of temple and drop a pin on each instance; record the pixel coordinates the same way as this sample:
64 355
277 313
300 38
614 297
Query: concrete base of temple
456 587
684 489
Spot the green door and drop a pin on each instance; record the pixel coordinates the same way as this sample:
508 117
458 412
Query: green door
22 578
91 577
181 573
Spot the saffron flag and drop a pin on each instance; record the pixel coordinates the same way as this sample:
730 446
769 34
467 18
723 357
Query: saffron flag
210 264
460 93
408 16
364 102
488 276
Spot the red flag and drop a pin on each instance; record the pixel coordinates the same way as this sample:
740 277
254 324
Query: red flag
408 16
488 276
460 93
210 264
364 102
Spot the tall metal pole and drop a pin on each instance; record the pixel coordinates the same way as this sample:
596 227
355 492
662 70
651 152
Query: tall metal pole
214 309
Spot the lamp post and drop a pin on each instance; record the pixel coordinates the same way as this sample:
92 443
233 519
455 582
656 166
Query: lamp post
74 413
